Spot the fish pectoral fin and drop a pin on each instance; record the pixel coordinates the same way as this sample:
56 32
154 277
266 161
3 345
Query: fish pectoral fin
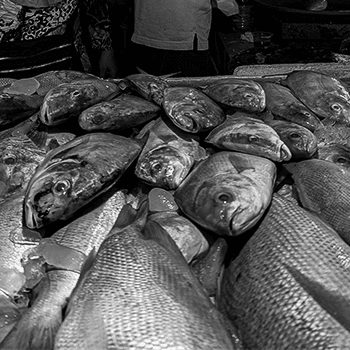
155 232
334 303
130 216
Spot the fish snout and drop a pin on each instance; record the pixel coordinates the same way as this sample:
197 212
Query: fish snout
285 153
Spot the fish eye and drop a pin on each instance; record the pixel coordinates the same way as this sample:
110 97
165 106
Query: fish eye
336 107
341 160
5 96
307 114
295 135
61 187
9 159
75 93
248 95
224 198
253 138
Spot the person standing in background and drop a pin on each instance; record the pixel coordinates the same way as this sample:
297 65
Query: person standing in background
172 36
41 35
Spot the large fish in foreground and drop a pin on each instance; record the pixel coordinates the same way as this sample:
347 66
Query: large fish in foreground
324 188
326 96
228 192
191 110
281 102
139 293
65 251
68 100
289 286
243 133
243 94
73 174
168 155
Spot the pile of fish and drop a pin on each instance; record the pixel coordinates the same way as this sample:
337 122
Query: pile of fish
174 213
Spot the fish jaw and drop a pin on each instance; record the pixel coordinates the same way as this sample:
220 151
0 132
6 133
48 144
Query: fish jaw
164 166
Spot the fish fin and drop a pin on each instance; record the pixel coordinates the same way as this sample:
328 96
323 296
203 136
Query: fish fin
114 94
85 268
332 302
130 216
162 76
208 268
155 232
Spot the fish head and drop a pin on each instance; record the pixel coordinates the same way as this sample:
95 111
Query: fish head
303 116
19 157
248 99
164 166
335 107
303 144
229 202
337 154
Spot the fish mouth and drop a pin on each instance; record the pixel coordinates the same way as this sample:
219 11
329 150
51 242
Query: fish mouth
32 221
285 153
44 114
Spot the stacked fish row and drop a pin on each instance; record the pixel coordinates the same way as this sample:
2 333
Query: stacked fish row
164 213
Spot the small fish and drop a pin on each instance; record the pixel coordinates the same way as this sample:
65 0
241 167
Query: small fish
124 112
228 192
301 142
324 188
140 275
281 102
243 133
168 155
243 94
15 108
335 153
68 100
289 286
148 86
325 95
316 5
73 174
191 110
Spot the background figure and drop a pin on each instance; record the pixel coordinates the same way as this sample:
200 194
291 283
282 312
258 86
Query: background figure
172 36
41 35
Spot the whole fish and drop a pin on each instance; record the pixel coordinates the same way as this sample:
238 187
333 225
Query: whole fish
124 112
15 108
148 86
325 95
68 100
168 155
243 94
189 239
289 286
140 293
65 251
73 174
335 153
191 110
301 142
243 133
282 103
228 192
324 188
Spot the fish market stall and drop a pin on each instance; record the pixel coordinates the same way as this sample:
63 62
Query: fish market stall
176 213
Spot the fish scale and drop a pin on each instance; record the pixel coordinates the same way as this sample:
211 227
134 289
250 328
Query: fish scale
264 291
324 188
143 298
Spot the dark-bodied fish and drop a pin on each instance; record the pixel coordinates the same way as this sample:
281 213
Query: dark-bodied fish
324 188
243 133
191 110
73 174
168 155
68 100
243 94
335 153
325 95
124 112
140 293
301 142
64 252
228 192
289 286
281 102
15 108
148 86
189 239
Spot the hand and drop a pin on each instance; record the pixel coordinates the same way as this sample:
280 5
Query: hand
107 64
